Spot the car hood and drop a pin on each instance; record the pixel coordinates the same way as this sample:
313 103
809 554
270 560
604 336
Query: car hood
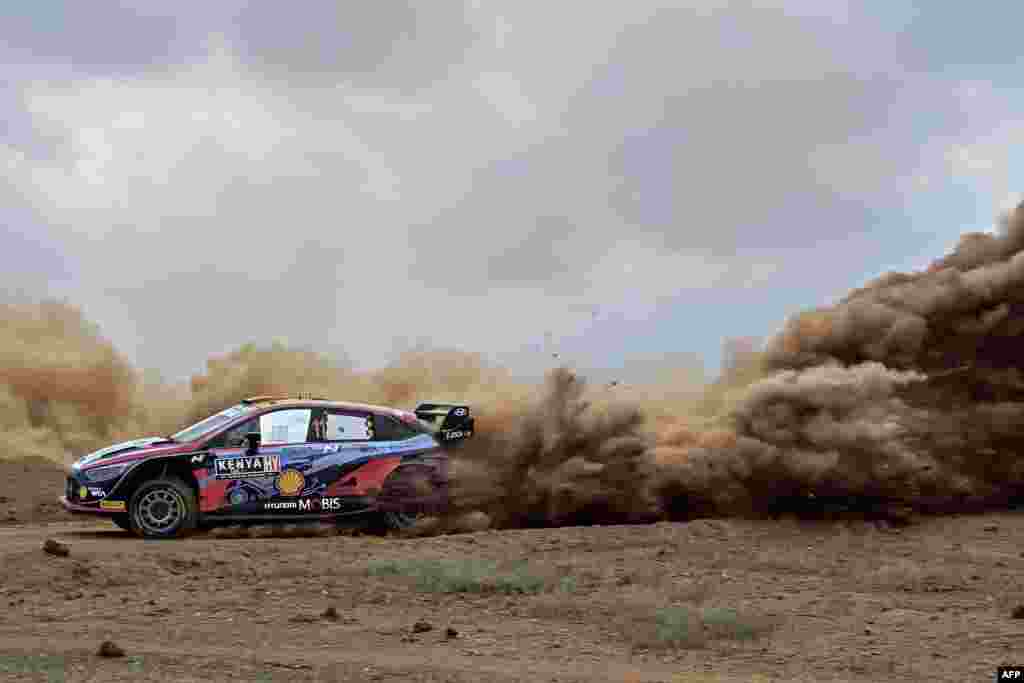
136 447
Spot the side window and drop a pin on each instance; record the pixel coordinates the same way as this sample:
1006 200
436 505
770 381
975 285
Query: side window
235 436
285 426
342 426
389 429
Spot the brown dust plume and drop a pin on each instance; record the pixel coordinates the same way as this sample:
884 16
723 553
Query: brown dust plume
908 391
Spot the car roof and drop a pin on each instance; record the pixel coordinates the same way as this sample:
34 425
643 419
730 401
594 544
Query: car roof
262 402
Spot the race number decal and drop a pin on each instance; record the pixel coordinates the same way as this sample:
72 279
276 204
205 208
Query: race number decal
349 427
284 426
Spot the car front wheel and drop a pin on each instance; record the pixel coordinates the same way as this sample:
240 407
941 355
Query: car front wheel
163 508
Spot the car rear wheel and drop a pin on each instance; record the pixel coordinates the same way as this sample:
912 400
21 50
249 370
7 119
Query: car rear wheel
163 508
398 521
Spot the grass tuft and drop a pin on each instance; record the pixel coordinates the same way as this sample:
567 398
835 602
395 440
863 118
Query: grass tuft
690 627
468 576
678 627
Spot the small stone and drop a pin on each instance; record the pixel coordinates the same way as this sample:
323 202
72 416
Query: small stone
110 649
422 627
992 527
330 613
1018 612
55 548
450 633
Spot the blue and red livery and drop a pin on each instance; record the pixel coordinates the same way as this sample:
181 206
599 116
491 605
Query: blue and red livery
270 459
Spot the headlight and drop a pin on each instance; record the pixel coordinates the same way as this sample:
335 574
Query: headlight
104 473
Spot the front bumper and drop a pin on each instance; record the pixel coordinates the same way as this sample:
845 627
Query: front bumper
93 508
89 499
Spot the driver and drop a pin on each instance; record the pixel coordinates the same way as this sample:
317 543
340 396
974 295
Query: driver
319 427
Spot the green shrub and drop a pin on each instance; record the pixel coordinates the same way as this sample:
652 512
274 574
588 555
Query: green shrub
687 627
462 576
678 626
727 623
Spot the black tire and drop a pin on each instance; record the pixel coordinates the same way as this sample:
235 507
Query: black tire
397 521
122 520
163 508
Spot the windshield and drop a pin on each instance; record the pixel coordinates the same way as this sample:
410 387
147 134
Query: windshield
210 424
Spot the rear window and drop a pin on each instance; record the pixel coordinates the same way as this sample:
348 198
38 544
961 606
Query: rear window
390 429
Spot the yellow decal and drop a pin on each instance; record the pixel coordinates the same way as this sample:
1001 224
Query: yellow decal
117 505
290 482
83 492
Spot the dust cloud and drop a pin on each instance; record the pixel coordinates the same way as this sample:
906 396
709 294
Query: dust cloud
906 392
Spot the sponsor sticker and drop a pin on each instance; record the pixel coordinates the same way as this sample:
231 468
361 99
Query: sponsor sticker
291 482
281 505
329 504
246 467
115 505
83 492
99 493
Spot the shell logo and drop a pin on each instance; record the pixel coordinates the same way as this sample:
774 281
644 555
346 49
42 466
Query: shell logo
290 482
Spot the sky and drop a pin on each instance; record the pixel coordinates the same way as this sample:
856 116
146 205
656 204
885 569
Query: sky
613 182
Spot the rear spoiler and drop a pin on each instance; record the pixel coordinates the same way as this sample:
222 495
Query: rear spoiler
450 422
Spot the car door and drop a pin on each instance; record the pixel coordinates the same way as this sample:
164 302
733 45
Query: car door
265 482
340 440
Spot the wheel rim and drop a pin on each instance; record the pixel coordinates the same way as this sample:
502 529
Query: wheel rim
160 510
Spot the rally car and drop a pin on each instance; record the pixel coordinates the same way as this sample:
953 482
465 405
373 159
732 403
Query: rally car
271 459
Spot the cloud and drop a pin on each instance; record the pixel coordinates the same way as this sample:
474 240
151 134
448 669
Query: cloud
395 43
473 175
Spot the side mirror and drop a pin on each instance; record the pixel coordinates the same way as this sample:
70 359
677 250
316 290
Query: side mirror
252 441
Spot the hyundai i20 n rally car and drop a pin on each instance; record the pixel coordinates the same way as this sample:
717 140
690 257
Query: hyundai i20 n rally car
271 459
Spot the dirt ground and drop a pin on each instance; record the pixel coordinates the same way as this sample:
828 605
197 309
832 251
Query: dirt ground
814 601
